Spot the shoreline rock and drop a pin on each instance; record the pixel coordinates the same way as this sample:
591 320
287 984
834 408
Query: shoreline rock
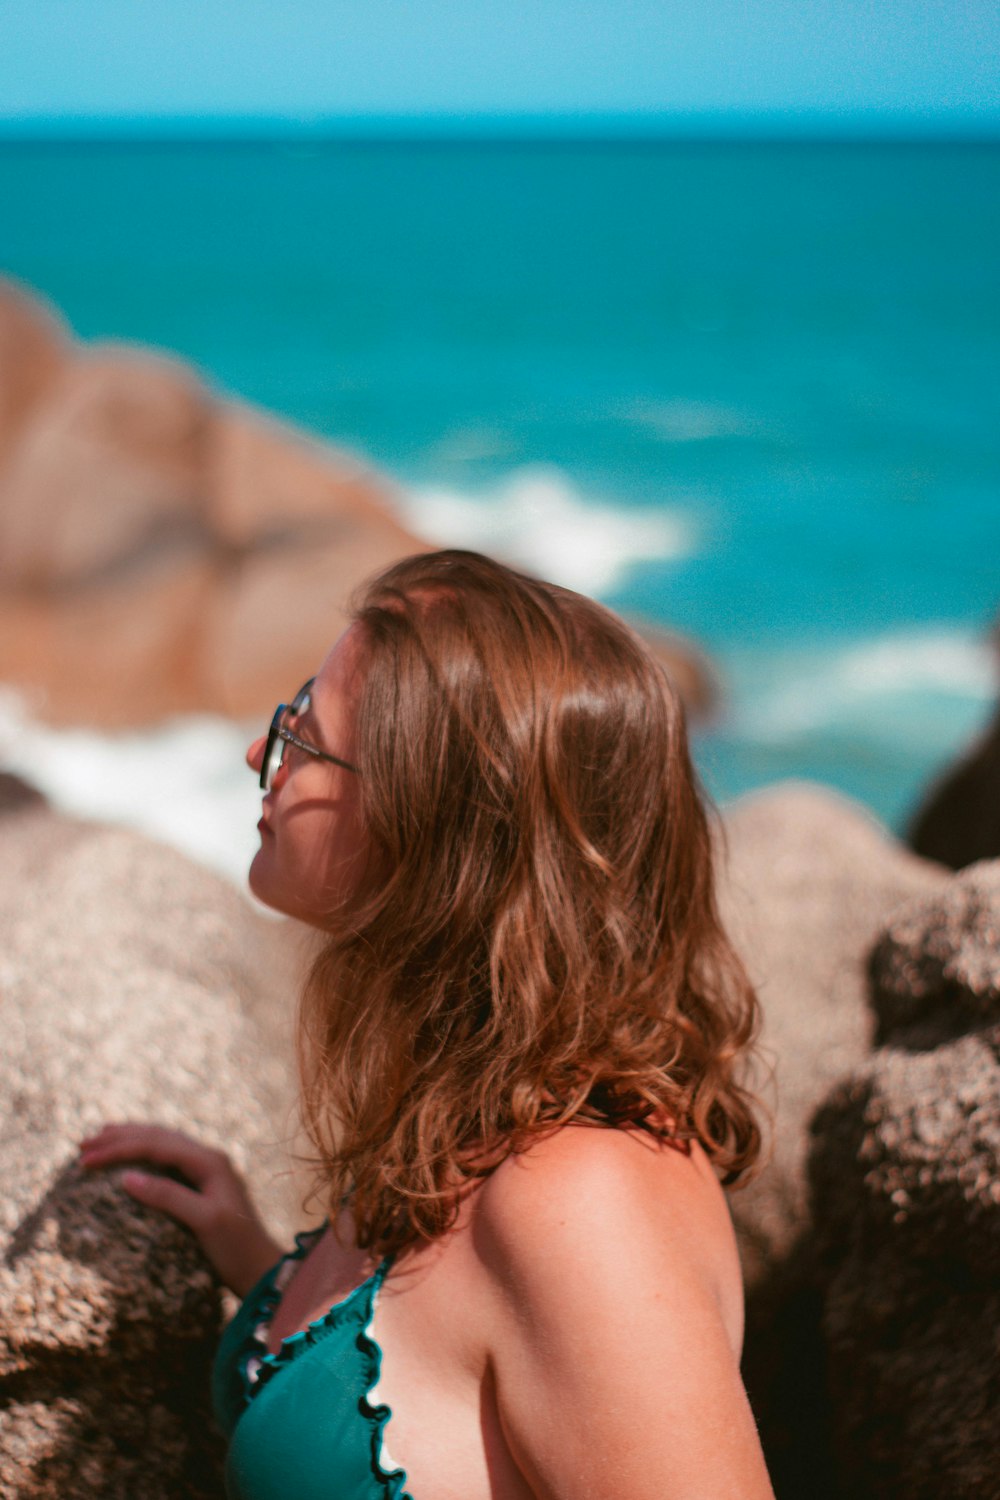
135 984
905 1182
201 551
130 987
807 878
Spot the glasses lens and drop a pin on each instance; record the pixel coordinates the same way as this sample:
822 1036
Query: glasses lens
273 750
274 761
300 703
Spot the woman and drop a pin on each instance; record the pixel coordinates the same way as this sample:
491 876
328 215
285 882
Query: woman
519 1050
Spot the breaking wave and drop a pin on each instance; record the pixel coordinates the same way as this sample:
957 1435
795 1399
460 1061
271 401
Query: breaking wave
537 520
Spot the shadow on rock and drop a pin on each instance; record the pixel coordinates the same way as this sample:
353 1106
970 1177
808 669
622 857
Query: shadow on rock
105 1358
784 1370
906 1211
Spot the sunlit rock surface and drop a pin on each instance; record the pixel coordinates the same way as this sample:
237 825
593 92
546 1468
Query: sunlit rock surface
131 987
135 985
808 879
162 550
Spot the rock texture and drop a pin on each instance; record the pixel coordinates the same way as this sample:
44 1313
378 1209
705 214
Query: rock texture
935 970
905 1173
165 551
808 877
132 985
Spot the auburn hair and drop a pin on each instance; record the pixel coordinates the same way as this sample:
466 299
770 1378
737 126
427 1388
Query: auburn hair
535 940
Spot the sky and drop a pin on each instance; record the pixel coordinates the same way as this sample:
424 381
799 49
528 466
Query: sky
68 64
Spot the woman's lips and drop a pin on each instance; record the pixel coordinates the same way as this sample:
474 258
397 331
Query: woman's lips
262 827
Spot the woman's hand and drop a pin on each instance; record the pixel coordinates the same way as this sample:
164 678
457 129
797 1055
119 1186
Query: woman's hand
215 1205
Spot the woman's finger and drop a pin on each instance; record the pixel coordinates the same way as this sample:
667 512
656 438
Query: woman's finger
155 1143
169 1197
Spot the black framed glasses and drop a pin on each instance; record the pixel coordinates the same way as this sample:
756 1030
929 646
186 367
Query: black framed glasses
279 735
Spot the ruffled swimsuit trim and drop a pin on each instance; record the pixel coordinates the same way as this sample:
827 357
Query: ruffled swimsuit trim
257 1365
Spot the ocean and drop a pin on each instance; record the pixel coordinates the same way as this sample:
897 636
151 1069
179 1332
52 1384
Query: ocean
747 390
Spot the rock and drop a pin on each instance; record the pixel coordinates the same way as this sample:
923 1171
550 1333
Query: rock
311 524
267 484
106 470
906 1195
132 985
34 350
960 821
127 652
197 550
147 526
688 668
807 878
935 969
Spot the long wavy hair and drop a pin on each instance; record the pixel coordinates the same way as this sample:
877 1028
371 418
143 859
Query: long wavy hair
535 940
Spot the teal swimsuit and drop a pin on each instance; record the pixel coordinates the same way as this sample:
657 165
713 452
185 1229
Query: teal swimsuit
300 1421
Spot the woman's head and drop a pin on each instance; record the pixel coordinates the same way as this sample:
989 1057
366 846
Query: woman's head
532 935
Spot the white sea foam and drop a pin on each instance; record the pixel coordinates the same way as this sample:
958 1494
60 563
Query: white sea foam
921 691
537 520
184 782
935 681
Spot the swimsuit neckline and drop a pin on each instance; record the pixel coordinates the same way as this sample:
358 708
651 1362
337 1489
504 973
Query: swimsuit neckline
352 1316
259 1363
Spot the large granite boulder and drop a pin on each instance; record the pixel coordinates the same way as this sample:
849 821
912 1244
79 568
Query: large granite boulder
200 551
905 1174
149 526
133 985
105 471
807 879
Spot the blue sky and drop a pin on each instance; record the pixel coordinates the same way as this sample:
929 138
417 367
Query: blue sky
64 61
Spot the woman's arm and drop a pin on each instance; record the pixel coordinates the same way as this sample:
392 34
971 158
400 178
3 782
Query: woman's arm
615 1373
215 1204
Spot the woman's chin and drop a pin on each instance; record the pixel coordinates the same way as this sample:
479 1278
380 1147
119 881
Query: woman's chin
270 892
260 885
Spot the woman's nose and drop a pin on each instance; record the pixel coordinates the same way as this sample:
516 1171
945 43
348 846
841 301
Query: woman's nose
255 754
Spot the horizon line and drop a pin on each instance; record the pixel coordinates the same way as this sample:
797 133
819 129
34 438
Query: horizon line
666 126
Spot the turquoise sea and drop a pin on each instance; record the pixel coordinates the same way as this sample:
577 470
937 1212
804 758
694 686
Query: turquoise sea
749 390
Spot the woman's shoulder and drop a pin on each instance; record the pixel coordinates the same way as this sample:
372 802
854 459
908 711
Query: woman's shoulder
618 1207
579 1166
612 1294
